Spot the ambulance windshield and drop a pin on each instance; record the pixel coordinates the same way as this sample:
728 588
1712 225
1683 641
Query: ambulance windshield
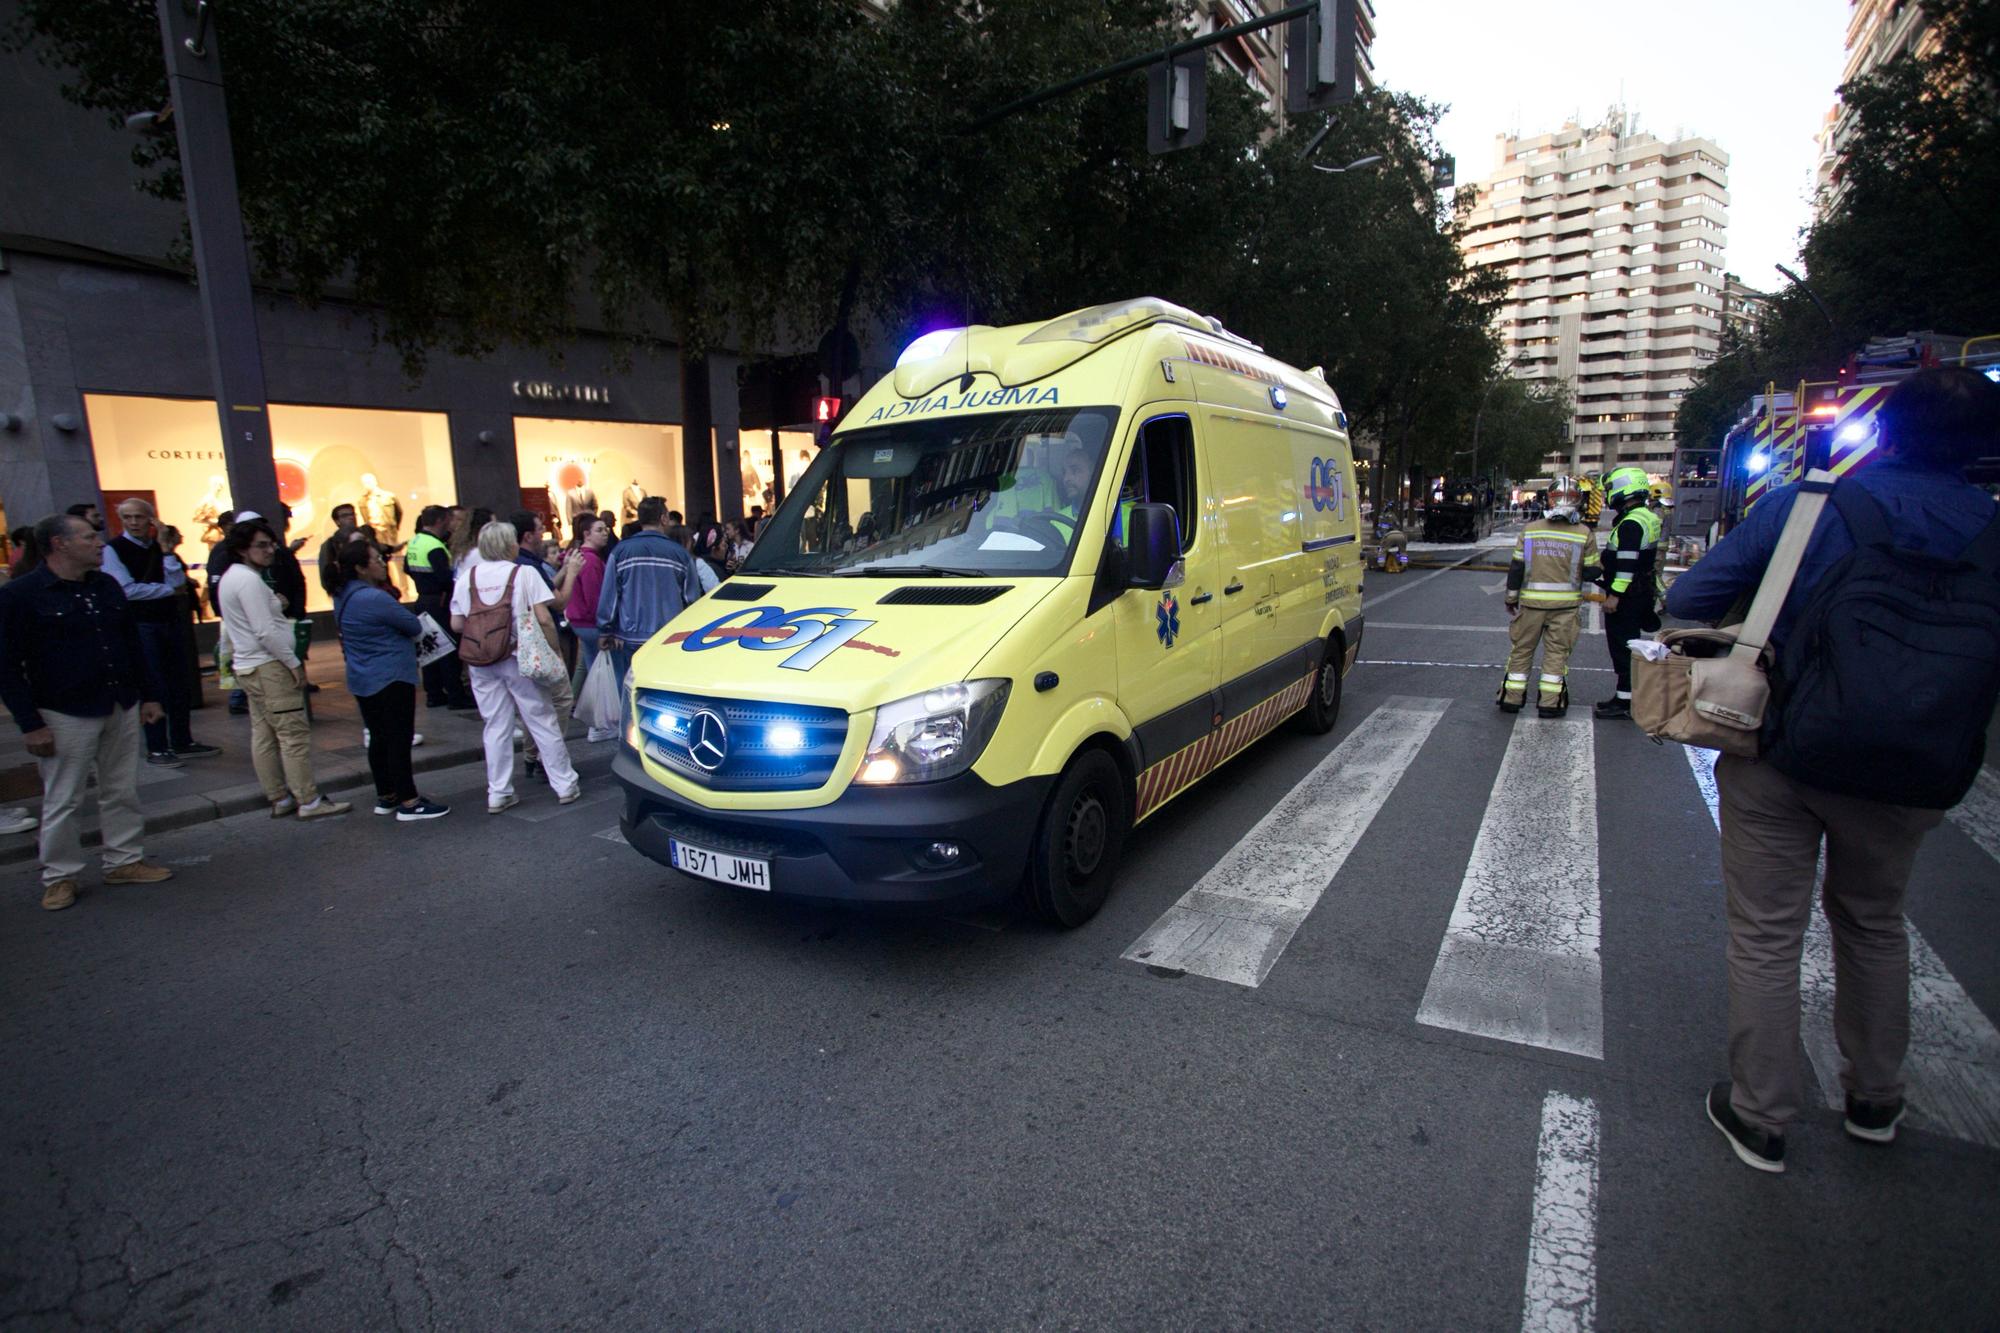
969 496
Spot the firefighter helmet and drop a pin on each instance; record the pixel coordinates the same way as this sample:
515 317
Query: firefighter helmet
1565 498
1626 484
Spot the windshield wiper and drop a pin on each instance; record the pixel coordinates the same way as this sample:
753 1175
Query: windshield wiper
917 571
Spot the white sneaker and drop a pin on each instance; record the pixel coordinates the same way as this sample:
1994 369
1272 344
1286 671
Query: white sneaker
416 740
17 821
598 734
497 804
570 797
519 735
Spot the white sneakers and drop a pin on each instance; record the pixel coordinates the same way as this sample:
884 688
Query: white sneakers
17 821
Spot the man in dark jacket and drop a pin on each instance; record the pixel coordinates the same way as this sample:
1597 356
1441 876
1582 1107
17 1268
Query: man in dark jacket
1773 825
648 581
73 675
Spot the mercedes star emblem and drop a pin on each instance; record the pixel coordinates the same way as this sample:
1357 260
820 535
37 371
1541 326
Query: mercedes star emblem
708 740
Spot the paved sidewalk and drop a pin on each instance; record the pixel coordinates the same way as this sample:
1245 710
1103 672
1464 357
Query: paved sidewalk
207 789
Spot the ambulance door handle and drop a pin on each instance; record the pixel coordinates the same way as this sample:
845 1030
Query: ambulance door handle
1232 590
1199 598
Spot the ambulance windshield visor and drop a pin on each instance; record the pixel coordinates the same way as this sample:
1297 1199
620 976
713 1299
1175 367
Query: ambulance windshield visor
977 496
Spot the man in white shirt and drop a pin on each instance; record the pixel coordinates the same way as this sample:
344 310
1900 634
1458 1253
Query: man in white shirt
267 666
152 582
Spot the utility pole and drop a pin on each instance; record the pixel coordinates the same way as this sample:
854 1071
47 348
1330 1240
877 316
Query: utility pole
221 259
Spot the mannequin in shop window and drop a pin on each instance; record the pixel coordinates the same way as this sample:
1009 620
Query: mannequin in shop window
628 503
209 513
381 511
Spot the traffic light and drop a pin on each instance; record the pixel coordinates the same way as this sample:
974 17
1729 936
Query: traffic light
1326 55
1177 103
826 410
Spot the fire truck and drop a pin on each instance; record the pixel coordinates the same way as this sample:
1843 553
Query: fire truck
1784 433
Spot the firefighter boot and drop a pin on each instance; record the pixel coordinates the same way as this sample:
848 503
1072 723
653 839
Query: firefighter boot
1513 692
1556 690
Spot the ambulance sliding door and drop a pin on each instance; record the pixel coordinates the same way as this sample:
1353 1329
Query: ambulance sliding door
1250 458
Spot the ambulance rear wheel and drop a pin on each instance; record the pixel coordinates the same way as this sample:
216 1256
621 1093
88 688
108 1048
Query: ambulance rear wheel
1322 708
1079 841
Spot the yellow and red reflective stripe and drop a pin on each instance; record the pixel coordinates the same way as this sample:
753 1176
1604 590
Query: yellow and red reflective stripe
1180 770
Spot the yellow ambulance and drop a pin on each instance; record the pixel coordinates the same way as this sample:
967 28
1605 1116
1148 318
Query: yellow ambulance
1041 580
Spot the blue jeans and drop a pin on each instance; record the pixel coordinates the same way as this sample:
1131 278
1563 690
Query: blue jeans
586 648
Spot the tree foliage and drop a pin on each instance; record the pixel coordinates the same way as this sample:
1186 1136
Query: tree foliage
1911 241
733 174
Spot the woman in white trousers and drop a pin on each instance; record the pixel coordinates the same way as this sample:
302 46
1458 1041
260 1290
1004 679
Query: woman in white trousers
501 690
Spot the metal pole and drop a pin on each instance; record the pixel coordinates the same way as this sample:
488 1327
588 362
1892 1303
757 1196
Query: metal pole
1220 35
221 259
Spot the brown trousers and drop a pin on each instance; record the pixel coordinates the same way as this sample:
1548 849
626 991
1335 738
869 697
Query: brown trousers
1555 628
1771 832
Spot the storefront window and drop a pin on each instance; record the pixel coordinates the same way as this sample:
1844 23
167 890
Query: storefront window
574 467
388 465
759 478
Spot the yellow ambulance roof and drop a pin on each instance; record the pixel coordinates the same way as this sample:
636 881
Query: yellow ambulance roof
1024 358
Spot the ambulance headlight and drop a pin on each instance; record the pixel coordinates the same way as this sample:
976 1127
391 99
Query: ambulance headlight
936 734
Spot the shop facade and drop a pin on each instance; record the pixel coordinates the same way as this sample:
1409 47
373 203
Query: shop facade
105 383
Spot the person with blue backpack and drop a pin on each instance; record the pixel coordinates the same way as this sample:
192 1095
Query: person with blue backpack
1885 671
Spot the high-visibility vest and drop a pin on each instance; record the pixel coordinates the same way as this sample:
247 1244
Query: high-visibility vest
417 555
1623 569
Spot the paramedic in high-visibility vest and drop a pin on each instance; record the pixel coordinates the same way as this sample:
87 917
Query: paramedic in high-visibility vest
1631 592
1553 558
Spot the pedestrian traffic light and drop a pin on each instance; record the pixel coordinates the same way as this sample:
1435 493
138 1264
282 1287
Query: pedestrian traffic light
1326 55
1177 103
826 410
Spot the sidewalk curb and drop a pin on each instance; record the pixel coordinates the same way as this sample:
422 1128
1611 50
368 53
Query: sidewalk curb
180 812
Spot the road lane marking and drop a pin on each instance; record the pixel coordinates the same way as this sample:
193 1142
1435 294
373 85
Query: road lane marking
1978 815
1238 918
1468 666
1519 961
1475 629
612 834
1561 1291
1951 1073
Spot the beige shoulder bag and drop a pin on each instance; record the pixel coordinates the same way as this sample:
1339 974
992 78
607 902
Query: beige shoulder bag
1711 688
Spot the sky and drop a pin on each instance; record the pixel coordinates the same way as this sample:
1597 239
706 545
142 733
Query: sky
1755 76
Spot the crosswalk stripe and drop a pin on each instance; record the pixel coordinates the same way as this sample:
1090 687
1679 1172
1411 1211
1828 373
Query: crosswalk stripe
1561 1291
1519 960
1951 1074
1978 815
1238 918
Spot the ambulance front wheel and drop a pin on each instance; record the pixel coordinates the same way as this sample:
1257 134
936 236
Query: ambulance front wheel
1079 841
1322 708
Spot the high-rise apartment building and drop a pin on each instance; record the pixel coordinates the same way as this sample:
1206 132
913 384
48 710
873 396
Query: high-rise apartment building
1878 31
1611 241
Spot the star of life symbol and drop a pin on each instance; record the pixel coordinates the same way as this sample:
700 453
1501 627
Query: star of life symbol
1168 617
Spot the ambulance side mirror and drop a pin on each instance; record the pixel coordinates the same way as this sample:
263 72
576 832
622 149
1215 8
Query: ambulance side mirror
1152 548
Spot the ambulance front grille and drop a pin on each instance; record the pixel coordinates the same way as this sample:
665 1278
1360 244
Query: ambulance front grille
741 744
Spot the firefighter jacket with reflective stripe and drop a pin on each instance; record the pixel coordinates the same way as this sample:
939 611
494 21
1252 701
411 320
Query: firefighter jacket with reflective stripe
1552 562
1634 552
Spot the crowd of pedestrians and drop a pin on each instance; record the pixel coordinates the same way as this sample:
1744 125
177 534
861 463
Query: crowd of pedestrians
125 608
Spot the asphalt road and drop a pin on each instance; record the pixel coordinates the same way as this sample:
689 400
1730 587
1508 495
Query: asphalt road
503 1072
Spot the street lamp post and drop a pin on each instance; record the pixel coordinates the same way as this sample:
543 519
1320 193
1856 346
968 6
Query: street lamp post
221 259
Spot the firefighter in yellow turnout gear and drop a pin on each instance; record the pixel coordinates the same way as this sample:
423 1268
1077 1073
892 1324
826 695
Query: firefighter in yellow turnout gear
1553 558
